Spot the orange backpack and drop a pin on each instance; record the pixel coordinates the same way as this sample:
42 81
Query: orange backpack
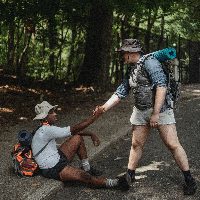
22 157
23 162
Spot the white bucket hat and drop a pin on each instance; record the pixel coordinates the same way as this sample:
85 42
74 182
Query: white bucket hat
43 109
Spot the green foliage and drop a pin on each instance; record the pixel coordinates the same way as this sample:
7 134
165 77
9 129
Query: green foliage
52 23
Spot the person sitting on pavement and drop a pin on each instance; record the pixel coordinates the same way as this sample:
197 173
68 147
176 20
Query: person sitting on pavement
55 163
151 110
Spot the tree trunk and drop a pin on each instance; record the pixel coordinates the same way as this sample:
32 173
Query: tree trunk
21 72
58 74
149 27
160 41
52 41
117 62
19 36
43 50
95 69
71 56
136 29
10 54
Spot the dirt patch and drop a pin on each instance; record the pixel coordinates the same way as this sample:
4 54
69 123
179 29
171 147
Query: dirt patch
17 104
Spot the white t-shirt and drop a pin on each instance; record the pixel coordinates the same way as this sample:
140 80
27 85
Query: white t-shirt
49 157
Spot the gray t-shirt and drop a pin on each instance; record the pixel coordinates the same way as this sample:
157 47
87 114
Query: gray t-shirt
49 157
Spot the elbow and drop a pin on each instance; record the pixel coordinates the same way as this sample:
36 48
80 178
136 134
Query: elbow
162 90
73 130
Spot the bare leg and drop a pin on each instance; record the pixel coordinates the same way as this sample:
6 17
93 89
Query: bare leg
169 136
74 174
140 134
74 145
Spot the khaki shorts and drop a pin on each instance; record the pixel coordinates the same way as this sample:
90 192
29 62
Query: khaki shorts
142 117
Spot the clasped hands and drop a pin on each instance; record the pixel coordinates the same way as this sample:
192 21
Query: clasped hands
98 111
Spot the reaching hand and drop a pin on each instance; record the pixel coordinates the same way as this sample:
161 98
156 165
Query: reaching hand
98 111
95 140
94 111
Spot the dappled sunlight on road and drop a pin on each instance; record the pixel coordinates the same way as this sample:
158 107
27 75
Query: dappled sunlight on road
153 166
140 177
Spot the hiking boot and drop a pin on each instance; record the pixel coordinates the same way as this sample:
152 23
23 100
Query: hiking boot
190 187
129 179
94 172
123 183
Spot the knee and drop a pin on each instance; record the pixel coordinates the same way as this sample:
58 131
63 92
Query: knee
137 145
173 147
78 138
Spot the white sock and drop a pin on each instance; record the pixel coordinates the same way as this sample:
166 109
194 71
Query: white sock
85 164
111 183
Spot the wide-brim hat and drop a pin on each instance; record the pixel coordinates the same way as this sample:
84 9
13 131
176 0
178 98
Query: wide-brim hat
43 109
130 45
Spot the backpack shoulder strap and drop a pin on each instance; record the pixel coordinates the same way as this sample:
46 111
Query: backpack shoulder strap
42 147
34 131
142 64
41 150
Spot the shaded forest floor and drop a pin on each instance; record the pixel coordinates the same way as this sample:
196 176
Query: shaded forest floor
18 99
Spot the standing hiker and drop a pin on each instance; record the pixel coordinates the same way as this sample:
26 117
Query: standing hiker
152 109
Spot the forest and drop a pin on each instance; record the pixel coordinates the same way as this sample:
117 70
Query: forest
69 43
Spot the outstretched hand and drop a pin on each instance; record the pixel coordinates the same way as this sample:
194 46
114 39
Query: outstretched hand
98 111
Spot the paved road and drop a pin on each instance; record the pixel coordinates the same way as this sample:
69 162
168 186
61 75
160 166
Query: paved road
158 176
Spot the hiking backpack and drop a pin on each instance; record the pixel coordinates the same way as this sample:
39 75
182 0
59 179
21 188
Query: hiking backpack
173 86
23 160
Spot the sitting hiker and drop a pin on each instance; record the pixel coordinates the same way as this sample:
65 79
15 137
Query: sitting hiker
55 163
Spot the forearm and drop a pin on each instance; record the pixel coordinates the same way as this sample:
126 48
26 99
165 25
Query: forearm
85 133
111 102
159 99
81 126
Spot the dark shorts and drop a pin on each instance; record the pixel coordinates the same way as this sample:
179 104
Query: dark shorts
53 173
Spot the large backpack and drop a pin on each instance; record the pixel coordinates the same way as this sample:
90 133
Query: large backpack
173 86
23 160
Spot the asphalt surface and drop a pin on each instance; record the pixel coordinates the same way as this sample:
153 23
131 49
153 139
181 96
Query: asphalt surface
157 176
109 128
